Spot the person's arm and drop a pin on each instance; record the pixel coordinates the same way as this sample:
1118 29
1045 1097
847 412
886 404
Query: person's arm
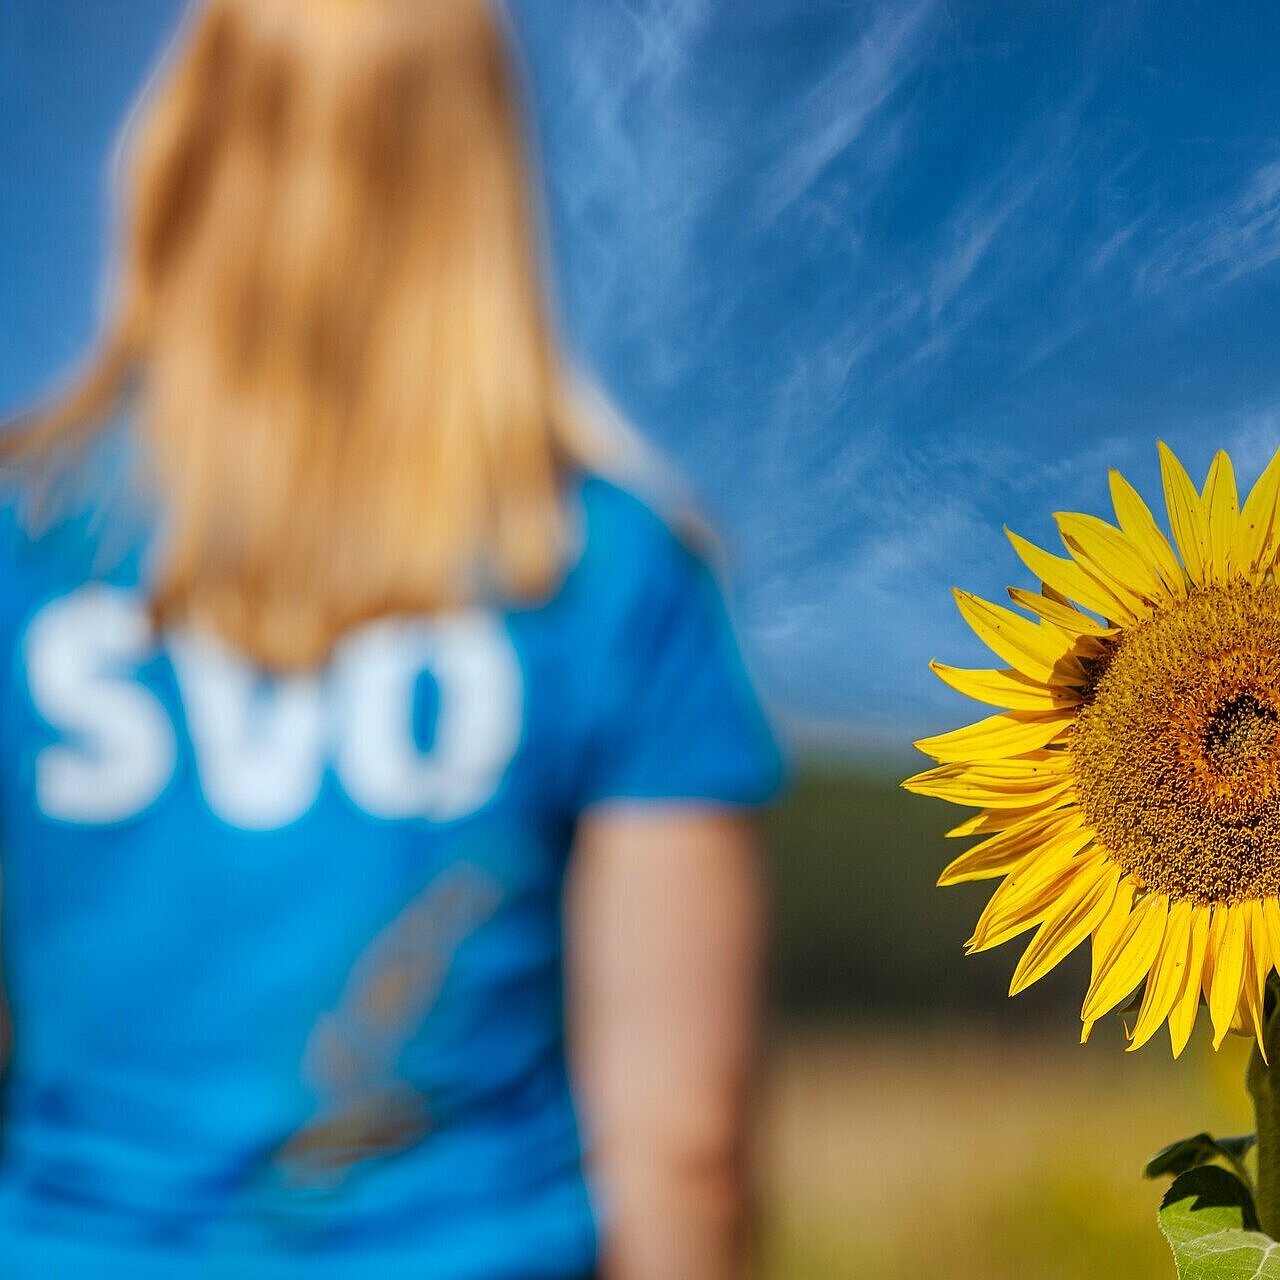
664 920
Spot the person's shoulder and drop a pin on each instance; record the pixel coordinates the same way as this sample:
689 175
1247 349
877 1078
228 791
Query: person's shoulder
638 535
661 680
615 510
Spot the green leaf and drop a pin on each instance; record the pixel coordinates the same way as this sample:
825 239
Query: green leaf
1204 1148
1209 1220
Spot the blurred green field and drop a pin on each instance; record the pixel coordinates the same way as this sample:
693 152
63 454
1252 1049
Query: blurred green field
860 927
920 1125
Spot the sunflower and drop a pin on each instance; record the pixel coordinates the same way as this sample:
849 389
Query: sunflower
1129 787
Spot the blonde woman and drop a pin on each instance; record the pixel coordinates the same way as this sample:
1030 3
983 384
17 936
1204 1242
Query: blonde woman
330 659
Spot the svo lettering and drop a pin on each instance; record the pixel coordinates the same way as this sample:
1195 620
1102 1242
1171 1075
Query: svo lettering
261 745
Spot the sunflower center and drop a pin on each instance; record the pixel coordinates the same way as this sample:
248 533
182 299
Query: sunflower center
1177 753
1239 732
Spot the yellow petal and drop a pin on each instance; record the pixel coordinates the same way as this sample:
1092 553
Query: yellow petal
1069 921
1166 978
1104 939
1081 646
1047 833
1061 615
1222 507
1258 529
1002 819
1271 923
1228 943
1250 1017
1186 1005
998 737
1104 552
975 796
1009 688
1261 955
998 784
1068 578
1107 934
1187 516
1129 958
1027 895
1140 525
1217 924
1249 1014
1019 641
1056 596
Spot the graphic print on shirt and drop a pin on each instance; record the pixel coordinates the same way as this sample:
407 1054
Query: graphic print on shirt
262 744
365 1108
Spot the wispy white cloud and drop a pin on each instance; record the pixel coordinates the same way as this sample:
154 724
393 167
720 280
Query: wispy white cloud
921 517
1113 244
837 110
880 335
998 239
624 78
989 228
1230 238
1251 440
664 31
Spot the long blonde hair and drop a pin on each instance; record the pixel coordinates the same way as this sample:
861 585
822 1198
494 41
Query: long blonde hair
329 325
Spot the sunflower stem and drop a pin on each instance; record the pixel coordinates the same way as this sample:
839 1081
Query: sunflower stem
1263 1080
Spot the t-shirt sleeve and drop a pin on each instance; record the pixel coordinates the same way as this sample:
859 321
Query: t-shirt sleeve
681 719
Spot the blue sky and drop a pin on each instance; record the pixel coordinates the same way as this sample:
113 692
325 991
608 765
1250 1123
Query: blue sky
878 277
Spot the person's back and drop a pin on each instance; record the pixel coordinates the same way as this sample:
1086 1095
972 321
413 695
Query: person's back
333 648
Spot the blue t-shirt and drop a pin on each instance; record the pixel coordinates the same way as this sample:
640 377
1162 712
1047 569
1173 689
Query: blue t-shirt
283 953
